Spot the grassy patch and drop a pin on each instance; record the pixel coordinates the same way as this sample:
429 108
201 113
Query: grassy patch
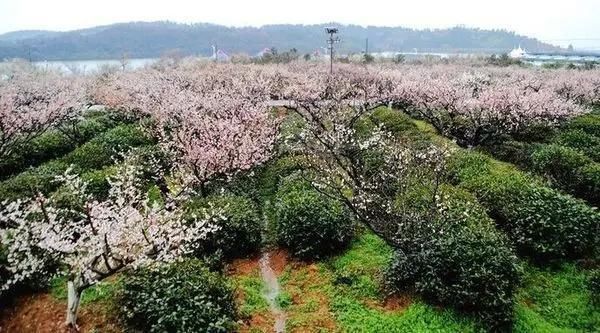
308 288
361 266
557 299
100 292
250 294
359 304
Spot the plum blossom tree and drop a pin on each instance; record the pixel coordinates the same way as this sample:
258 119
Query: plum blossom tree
32 103
480 108
362 170
212 125
92 240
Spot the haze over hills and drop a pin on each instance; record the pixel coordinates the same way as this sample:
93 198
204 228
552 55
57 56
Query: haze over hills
152 39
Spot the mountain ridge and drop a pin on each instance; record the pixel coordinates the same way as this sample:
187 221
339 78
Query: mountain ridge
152 39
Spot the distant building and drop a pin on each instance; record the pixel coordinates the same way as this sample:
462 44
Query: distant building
517 53
219 55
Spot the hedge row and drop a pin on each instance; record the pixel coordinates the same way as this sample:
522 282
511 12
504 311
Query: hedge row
569 163
543 223
55 143
239 234
455 257
568 169
180 297
95 154
308 223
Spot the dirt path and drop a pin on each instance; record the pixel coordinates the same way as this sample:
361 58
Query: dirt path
272 291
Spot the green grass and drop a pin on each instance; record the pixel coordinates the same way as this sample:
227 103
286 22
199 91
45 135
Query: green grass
358 281
252 288
362 265
100 292
556 300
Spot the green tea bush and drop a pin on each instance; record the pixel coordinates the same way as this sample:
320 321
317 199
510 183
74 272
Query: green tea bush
457 258
308 223
581 141
589 123
26 184
535 133
54 144
391 120
272 174
99 152
541 222
558 163
594 286
180 297
569 170
516 152
588 183
239 234
95 154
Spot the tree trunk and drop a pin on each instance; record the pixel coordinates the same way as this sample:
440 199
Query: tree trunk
74 291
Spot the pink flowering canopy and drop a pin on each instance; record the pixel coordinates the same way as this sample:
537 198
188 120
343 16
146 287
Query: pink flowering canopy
32 103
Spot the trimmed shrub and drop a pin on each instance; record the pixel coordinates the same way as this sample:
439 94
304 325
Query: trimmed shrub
393 121
275 171
569 170
588 183
516 152
310 224
580 141
26 184
457 258
541 222
589 123
239 235
95 154
559 164
54 144
99 152
535 133
181 297
594 286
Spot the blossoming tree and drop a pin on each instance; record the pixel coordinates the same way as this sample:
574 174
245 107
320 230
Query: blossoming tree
32 103
92 240
212 125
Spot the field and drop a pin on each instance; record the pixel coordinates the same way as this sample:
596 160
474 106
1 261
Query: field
450 197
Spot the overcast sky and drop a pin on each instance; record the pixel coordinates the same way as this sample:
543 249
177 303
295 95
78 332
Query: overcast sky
548 20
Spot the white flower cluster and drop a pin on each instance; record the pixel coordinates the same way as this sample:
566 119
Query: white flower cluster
99 238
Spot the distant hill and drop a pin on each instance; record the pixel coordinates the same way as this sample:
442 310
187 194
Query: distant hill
151 39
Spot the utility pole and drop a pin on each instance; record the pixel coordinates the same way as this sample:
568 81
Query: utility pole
332 40
367 46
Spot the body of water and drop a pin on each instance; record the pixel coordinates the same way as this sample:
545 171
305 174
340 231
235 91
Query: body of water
93 66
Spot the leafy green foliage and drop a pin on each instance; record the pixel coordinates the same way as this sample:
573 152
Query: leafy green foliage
589 124
570 170
54 144
541 222
181 297
594 286
239 234
308 223
458 258
557 298
95 154
581 141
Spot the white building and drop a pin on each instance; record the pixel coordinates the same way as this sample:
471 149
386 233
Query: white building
517 53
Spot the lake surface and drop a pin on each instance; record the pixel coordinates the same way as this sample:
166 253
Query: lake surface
93 66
